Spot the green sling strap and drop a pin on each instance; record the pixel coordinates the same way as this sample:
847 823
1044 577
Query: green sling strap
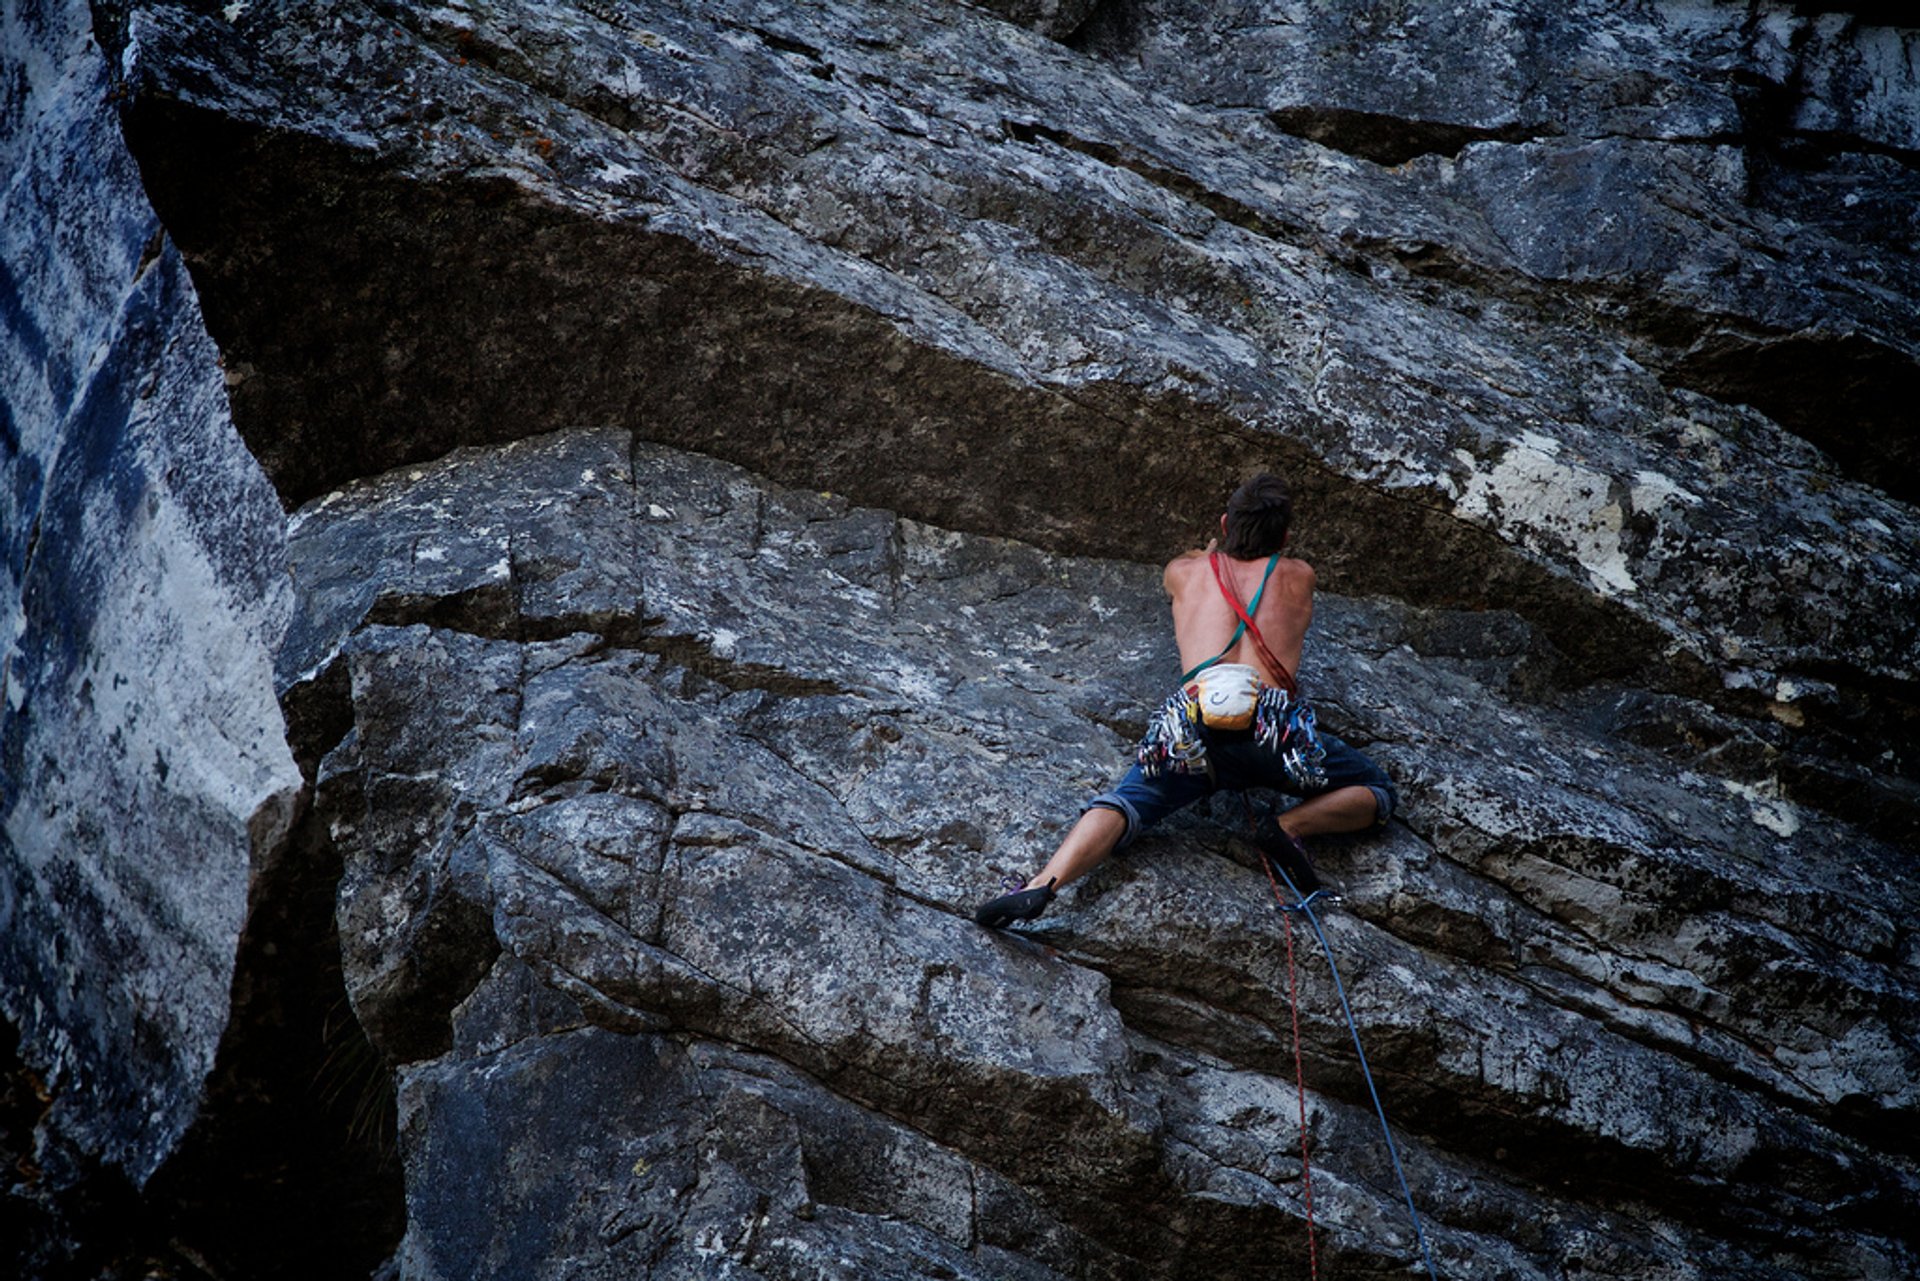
1240 630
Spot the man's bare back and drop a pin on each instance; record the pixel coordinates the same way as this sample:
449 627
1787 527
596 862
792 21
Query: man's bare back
1203 622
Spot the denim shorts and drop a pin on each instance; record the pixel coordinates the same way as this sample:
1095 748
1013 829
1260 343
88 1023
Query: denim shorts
1239 763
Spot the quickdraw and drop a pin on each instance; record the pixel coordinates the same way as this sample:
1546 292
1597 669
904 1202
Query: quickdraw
1282 723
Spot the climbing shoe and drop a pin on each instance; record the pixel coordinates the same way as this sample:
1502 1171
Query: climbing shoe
1288 856
1015 905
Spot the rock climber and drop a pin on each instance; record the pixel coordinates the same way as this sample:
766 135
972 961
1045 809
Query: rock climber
1237 719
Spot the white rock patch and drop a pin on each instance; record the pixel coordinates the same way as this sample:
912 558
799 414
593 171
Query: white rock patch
1531 492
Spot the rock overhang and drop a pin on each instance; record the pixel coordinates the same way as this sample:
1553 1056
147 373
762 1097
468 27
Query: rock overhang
1658 910
666 194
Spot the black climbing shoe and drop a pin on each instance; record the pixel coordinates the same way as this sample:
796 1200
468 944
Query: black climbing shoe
1017 905
1289 856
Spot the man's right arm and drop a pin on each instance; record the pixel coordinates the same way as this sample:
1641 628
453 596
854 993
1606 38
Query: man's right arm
1178 566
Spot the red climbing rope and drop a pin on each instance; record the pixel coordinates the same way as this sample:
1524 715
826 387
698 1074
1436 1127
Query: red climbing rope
1299 1077
1299 1069
1305 904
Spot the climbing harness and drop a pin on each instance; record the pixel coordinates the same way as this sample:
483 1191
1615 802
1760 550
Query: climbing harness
1173 744
1303 905
1280 721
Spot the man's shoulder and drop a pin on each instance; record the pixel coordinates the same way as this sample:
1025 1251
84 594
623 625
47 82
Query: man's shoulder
1282 565
1299 575
1189 567
1195 560
1179 571
1291 576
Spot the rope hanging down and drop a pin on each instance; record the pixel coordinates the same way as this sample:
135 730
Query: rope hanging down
1299 1082
1304 904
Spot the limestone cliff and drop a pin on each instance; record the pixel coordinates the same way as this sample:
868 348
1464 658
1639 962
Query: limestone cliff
724 455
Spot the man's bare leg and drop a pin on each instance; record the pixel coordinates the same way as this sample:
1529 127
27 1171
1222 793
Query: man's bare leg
1086 846
1346 809
1089 841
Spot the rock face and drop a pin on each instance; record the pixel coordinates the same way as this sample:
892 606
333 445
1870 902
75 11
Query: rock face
699 810
730 456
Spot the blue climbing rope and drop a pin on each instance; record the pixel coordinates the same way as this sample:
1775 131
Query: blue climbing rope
1304 904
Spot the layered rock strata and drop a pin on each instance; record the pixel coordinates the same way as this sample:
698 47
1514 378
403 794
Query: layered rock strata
730 453
1087 297
620 805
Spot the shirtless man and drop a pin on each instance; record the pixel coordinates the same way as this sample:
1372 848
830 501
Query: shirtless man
1224 659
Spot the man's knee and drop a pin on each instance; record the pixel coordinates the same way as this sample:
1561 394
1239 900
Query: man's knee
1144 801
1347 766
1116 804
1385 798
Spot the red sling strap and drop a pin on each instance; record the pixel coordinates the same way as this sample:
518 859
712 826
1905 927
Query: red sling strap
1259 642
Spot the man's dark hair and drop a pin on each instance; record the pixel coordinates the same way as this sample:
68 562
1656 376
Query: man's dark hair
1257 518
